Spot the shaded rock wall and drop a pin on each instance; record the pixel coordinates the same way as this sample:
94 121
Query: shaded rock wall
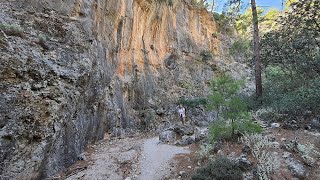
82 68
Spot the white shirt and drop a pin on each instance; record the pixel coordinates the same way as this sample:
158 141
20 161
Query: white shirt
182 112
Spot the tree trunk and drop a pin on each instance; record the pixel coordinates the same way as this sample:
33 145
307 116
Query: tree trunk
256 49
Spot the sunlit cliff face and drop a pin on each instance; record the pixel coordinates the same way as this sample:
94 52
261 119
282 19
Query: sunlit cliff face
103 65
137 31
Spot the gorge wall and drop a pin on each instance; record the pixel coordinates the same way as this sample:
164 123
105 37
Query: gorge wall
73 70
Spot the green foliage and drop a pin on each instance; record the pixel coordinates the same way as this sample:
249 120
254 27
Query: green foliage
200 4
248 127
224 89
291 54
240 47
267 21
287 93
224 22
220 130
232 110
205 151
221 168
192 102
206 55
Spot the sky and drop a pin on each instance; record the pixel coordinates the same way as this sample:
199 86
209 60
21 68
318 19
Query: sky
265 4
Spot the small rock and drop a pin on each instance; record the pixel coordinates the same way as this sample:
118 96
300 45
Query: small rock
286 155
82 157
283 139
275 125
276 145
189 167
272 138
243 162
183 174
220 152
128 178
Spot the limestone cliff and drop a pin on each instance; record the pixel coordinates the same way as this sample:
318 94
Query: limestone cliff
77 69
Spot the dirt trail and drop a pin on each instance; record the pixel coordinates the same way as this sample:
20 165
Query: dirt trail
156 157
138 158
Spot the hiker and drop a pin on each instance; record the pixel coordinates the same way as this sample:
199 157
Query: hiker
182 113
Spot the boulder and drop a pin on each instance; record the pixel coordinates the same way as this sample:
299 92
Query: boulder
275 125
183 129
167 136
296 167
201 133
186 140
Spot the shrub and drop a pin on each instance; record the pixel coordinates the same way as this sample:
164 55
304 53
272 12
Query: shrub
204 151
285 93
221 168
261 146
248 126
220 130
232 110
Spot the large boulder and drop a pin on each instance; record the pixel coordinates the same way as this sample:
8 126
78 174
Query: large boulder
183 129
167 136
186 140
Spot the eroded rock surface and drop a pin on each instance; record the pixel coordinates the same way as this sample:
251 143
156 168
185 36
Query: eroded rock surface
77 69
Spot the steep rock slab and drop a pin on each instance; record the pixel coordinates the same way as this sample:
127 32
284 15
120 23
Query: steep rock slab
82 67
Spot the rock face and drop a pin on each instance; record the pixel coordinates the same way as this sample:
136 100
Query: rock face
77 69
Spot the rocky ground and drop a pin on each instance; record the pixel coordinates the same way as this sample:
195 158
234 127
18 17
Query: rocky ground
151 157
141 157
